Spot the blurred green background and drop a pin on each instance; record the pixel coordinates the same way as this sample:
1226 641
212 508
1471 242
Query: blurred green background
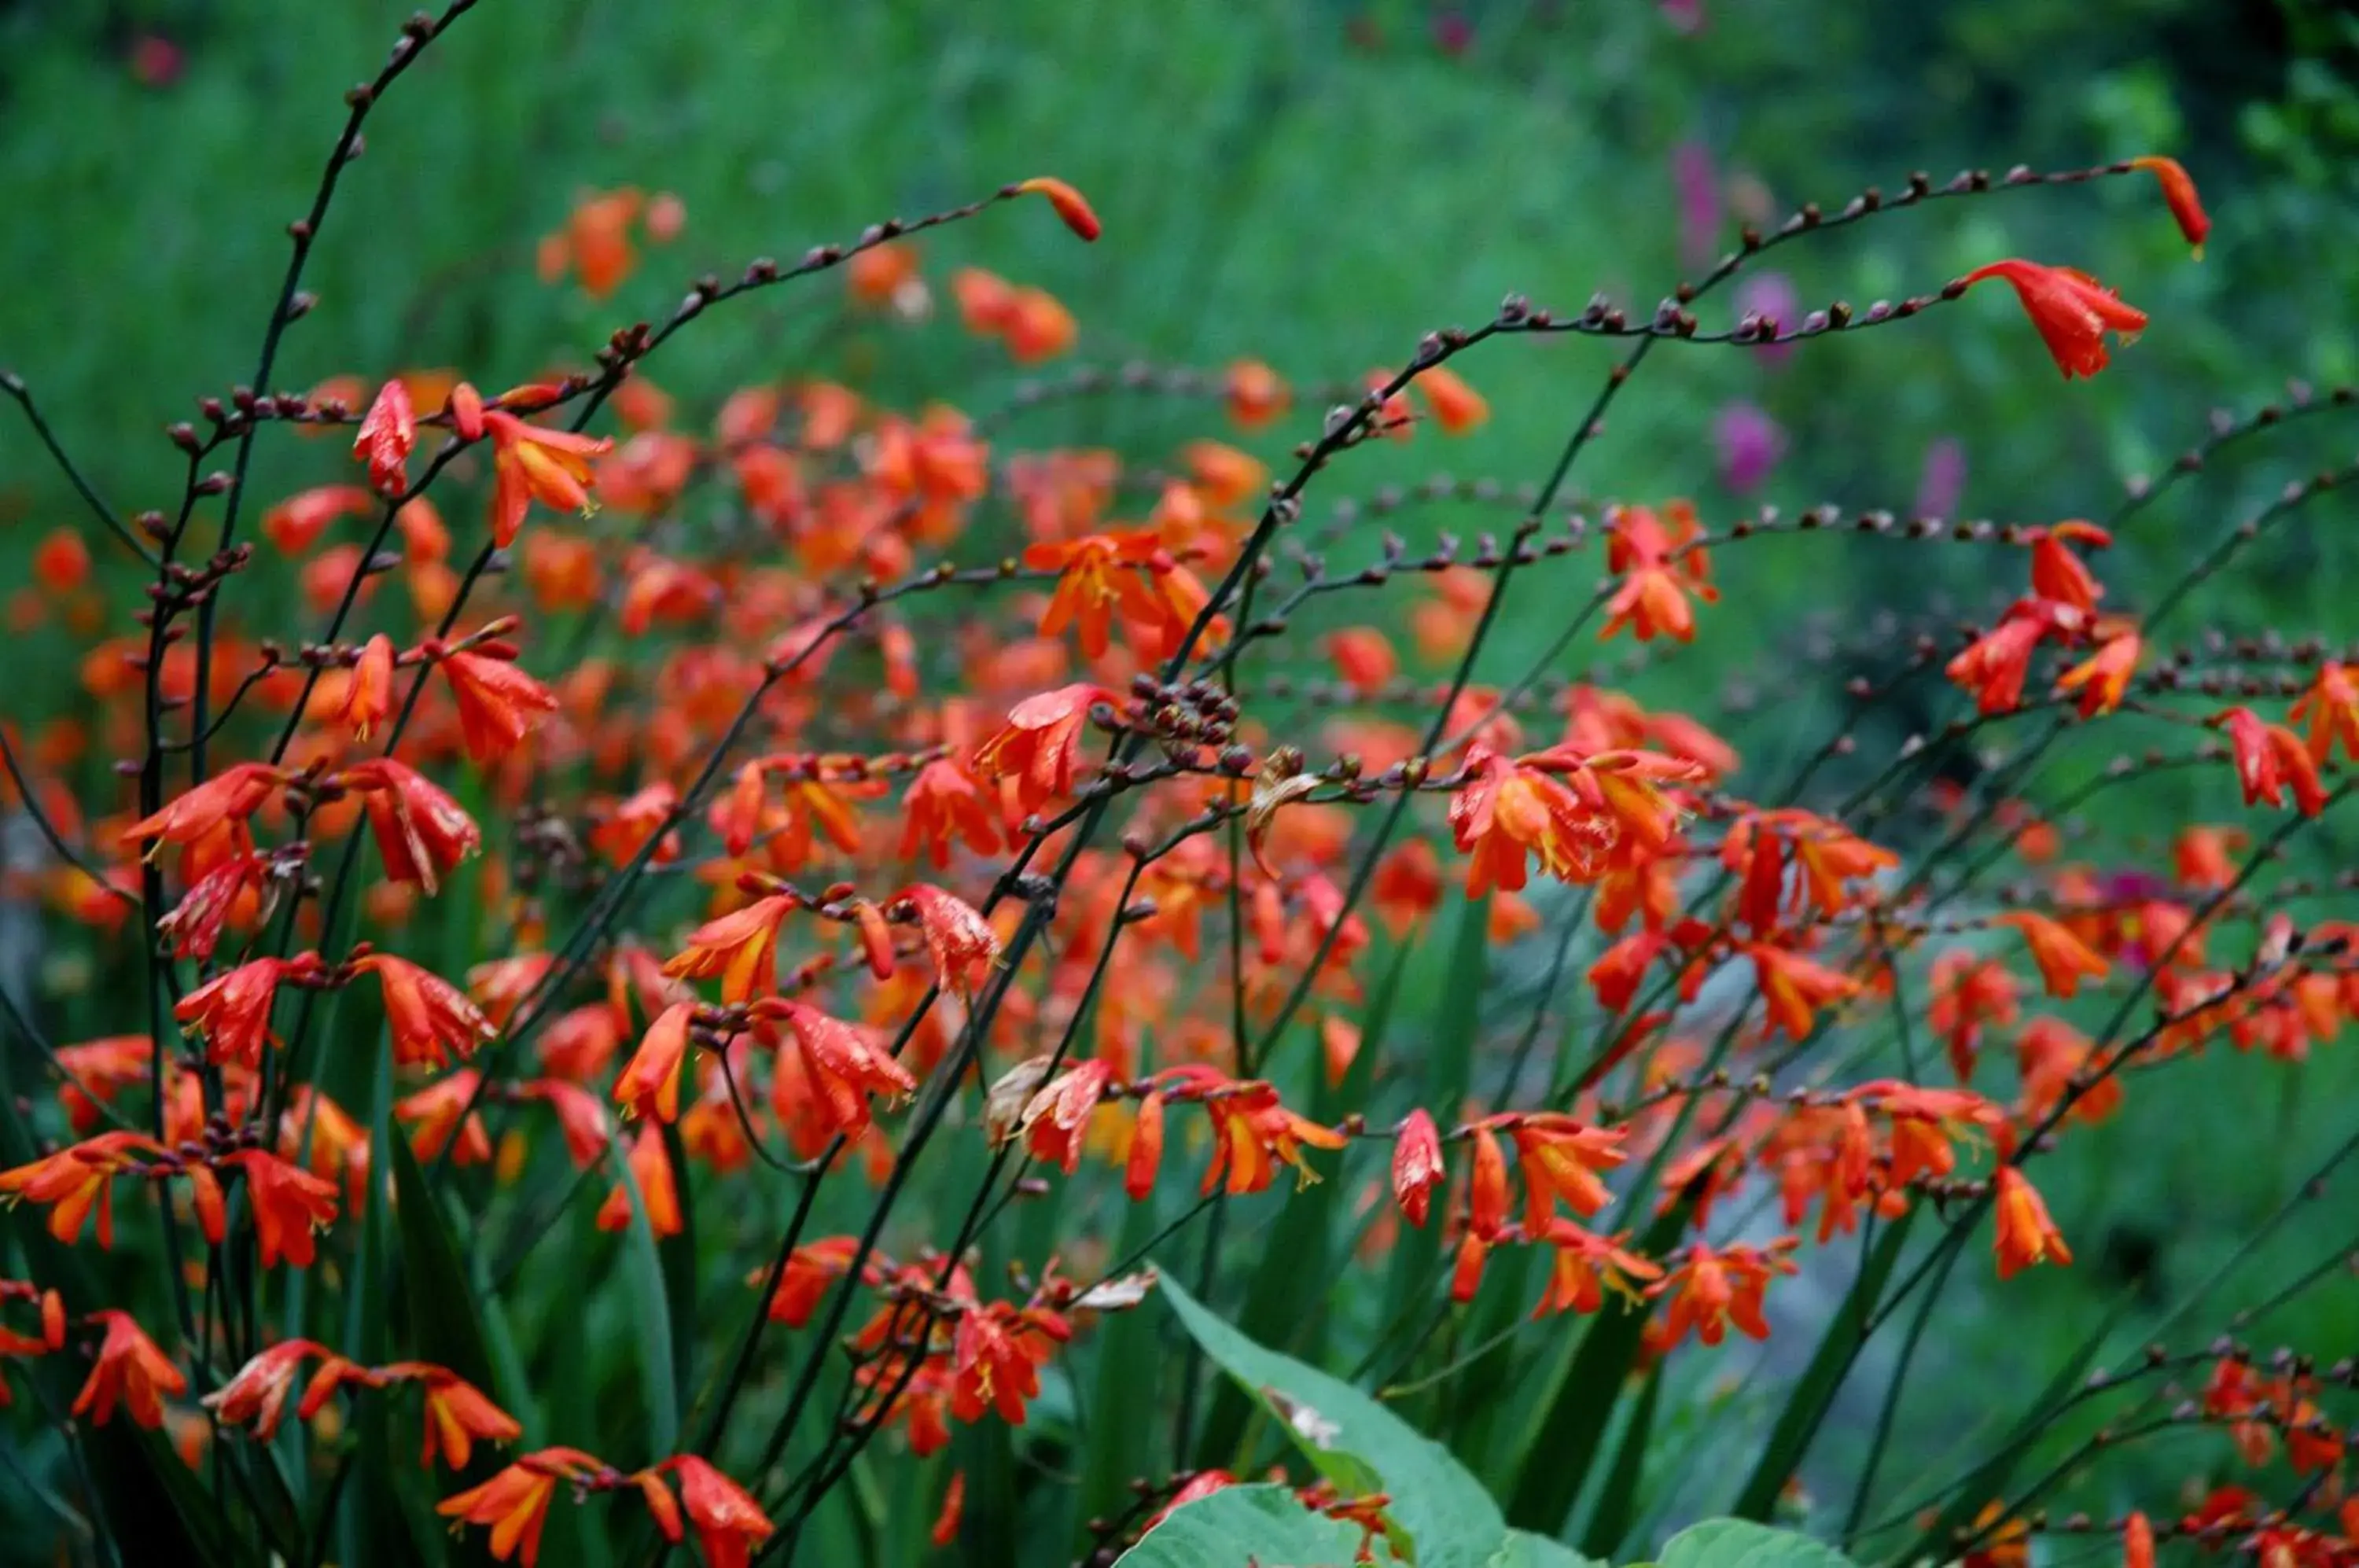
1314 183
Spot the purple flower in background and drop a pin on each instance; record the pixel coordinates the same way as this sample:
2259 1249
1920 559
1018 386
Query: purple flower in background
1771 294
1452 33
1945 478
1686 16
1698 186
1750 445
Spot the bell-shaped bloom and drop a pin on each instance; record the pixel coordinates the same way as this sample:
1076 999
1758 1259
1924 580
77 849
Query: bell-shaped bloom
959 940
2062 956
1994 665
2270 759
1069 204
1584 1266
1416 1164
812 1270
1505 812
996 1358
651 1078
231 796
1662 562
2025 1235
231 1012
368 690
530 464
499 704
842 1067
1710 1289
728 1523
2104 677
420 831
1796 988
514 1503
386 434
431 1019
739 948
1041 746
2330 708
1143 1160
232 888
944 803
658 1188
1054 1120
1252 1132
2072 311
1457 408
289 1204
2057 574
78 1179
2178 195
457 1413
255 1398
130 1370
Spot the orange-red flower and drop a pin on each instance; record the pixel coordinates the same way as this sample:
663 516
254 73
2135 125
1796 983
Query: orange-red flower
2137 1542
256 1397
961 941
229 797
289 1205
499 704
129 1369
945 802
1585 1265
1143 1160
2104 677
428 1018
77 1179
1069 202
1457 408
295 524
2186 210
842 1067
434 1116
1252 1132
2270 759
420 831
2072 311
1560 1155
1662 562
387 433
231 1012
740 948
457 1413
1995 665
1055 1118
1506 811
728 1522
650 1078
515 1502
1256 395
2331 706
2025 1235
1795 987
1709 1291
658 1188
368 691
1416 1164
1968 993
997 1354
811 1268
530 464
1041 746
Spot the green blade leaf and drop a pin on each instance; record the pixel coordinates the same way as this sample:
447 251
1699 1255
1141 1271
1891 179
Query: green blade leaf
1814 1394
1525 1550
1617 1503
443 1326
1565 1436
1243 1524
1441 1510
644 1267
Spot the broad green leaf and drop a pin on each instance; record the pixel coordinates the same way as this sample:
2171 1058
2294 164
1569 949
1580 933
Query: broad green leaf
1244 1524
1130 1375
1814 1394
1742 1543
644 1267
1358 1444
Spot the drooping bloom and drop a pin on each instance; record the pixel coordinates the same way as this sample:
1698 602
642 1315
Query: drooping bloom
457 1413
2025 1235
2331 707
2062 957
1054 1120
515 1502
1041 746
961 941
841 1067
1070 205
368 690
130 1369
1560 1155
2072 311
289 1204
727 1521
420 831
77 1179
1101 575
1585 1265
2270 759
1796 988
231 796
1661 563
1457 408
2104 677
1416 1164
255 1398
499 704
1253 1131
997 1357
740 947
1256 395
1994 665
231 1012
530 464
2178 195
1507 811
386 434
651 1078
1709 1291
944 803
658 1188
811 1268
429 1018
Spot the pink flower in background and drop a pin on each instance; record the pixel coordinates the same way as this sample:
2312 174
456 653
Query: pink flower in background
1686 16
1452 33
1697 184
1945 478
1771 294
156 61
1750 444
